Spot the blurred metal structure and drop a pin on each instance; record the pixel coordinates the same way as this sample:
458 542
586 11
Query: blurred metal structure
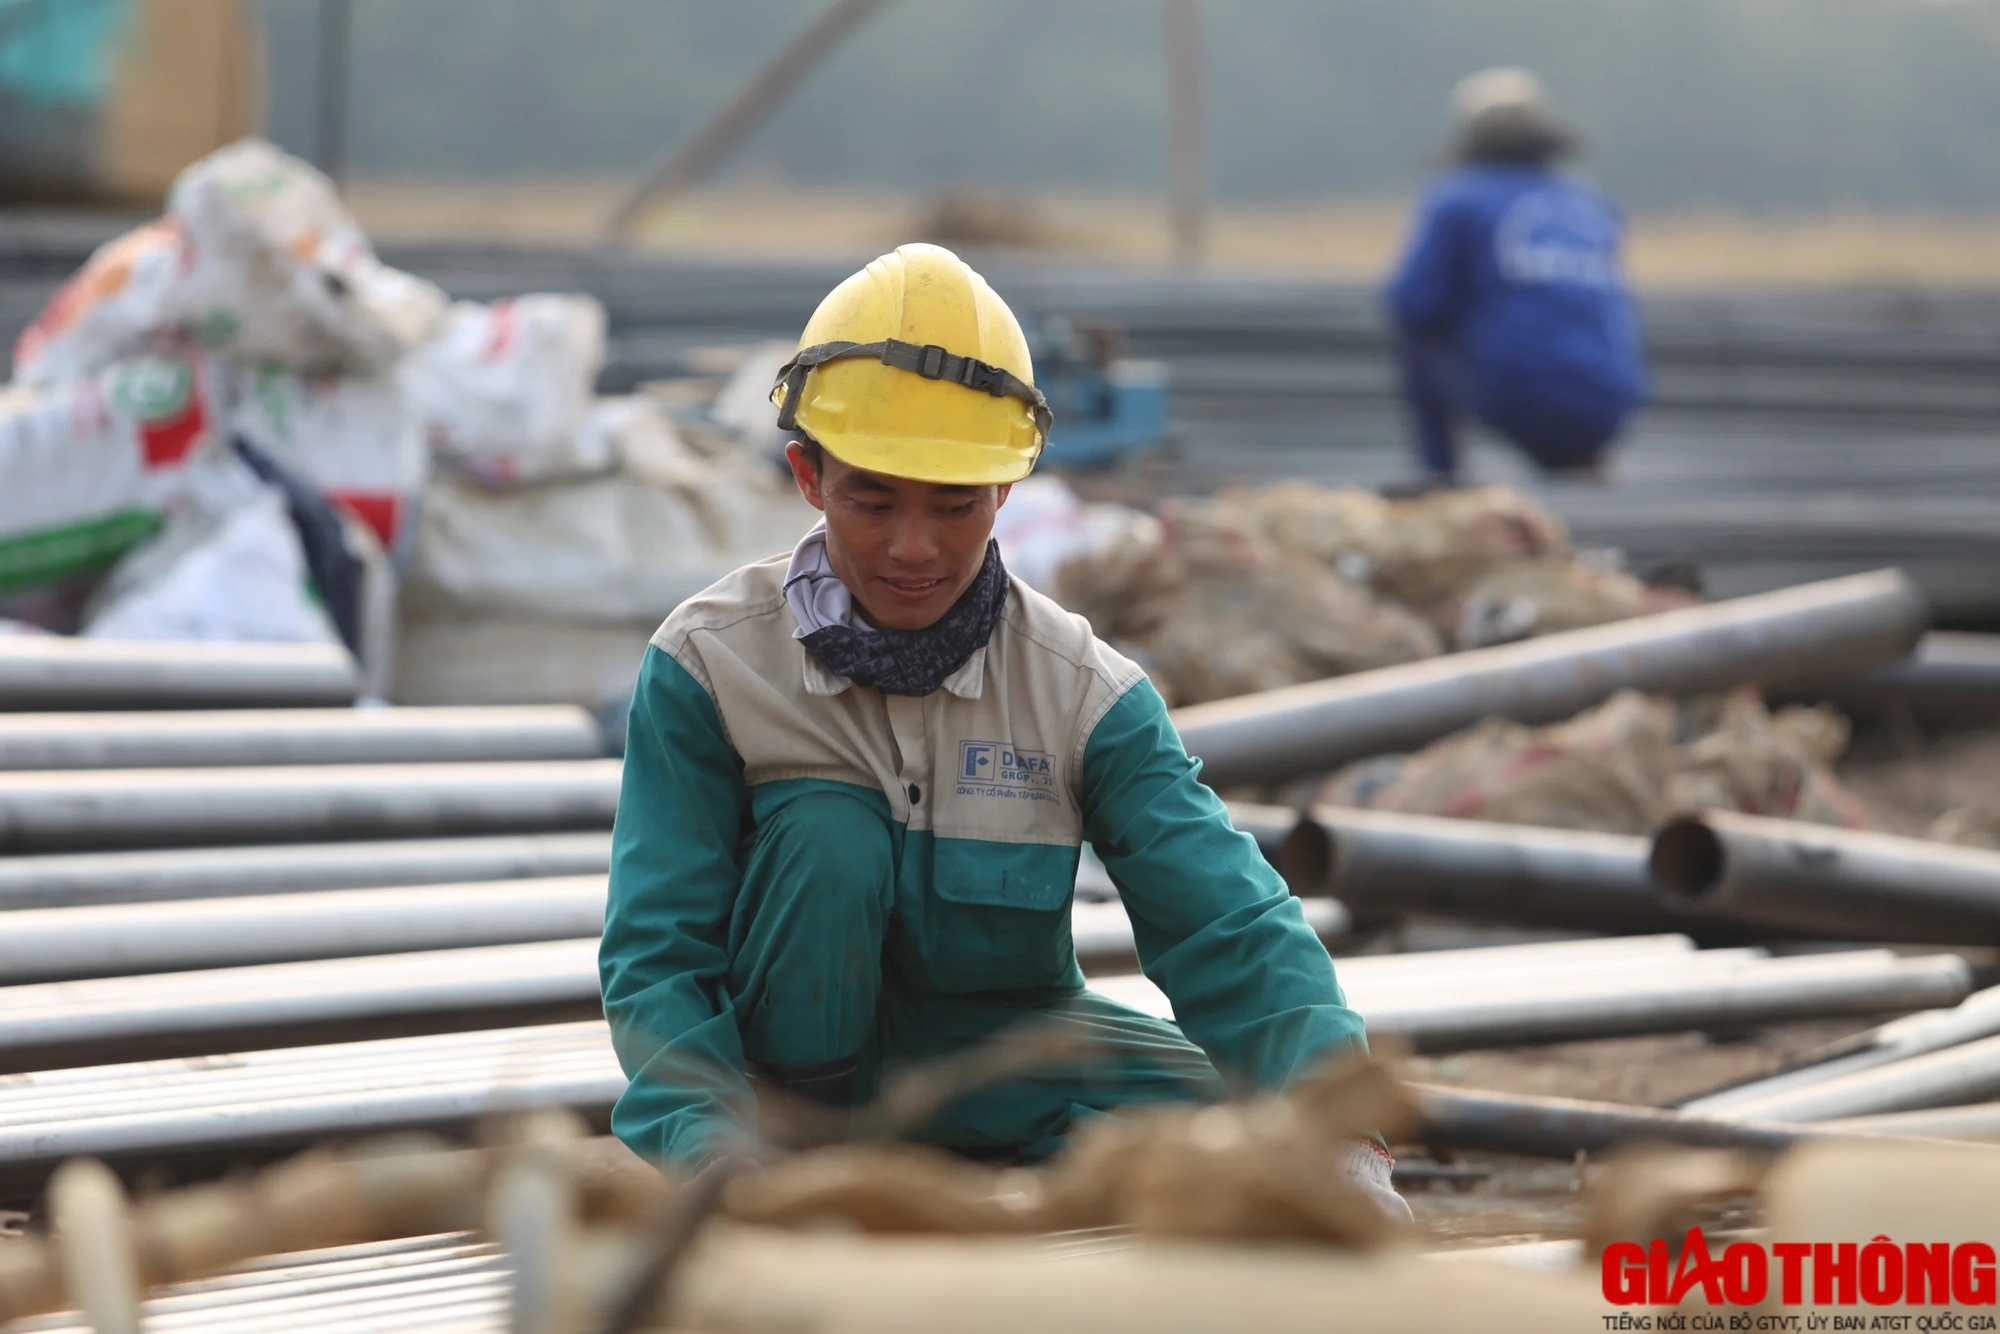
1187 169
332 78
1823 628
689 160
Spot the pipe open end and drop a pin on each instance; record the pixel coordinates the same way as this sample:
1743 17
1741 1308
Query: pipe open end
1687 858
1305 858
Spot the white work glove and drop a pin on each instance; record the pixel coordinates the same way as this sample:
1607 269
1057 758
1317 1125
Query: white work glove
1367 1165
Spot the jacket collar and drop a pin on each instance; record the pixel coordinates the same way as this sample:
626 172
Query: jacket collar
968 682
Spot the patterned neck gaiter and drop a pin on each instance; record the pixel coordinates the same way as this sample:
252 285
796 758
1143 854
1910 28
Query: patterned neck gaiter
895 662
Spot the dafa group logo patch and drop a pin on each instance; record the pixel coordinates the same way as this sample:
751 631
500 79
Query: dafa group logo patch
1007 772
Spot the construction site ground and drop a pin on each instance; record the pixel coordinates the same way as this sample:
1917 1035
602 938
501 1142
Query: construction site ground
1506 1199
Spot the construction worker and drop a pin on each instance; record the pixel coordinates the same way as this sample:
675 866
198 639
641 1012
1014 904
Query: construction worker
1508 305
858 775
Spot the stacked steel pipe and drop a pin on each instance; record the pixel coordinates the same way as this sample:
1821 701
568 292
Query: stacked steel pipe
388 916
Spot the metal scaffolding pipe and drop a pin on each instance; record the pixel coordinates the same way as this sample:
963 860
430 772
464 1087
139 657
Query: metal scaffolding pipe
48 812
193 738
1378 991
313 991
1792 876
112 939
157 1106
248 1296
1384 865
86 1089
42 943
479 1302
1978 1016
1980 1120
1486 970
367 1106
431 1284
1835 626
55 672
1778 989
1647 951
1967 1073
78 879
1104 931
1269 825
462 1291
1951 677
411 981
1540 1127
1616 1003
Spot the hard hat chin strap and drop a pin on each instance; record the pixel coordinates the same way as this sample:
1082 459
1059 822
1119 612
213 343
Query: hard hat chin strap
927 359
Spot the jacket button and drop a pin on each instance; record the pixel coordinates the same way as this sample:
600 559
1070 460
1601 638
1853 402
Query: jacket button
916 795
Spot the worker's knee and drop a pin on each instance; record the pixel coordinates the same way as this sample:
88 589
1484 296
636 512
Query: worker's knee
826 854
806 940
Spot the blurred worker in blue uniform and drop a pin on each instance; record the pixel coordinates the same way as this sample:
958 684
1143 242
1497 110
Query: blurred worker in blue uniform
1508 305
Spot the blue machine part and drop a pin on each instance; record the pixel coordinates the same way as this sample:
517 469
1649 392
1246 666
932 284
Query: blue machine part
1106 407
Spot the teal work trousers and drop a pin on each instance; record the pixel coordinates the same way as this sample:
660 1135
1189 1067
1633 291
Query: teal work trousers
818 995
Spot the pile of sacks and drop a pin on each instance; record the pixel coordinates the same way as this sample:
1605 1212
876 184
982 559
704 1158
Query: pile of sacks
191 400
1252 589
1624 767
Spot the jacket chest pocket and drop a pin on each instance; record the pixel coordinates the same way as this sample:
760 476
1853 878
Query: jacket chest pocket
995 917
1037 877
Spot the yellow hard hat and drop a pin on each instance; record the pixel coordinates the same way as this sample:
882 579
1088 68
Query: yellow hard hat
915 368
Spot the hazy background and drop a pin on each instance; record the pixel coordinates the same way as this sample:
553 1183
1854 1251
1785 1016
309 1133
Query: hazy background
1750 104
1751 141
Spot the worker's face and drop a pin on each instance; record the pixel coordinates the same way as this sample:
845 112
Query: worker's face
906 550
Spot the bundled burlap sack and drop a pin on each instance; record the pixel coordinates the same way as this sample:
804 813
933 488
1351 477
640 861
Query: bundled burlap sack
1255 588
1975 826
1531 598
1214 608
1623 767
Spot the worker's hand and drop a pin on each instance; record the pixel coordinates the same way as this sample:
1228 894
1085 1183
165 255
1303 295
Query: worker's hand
1367 1166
